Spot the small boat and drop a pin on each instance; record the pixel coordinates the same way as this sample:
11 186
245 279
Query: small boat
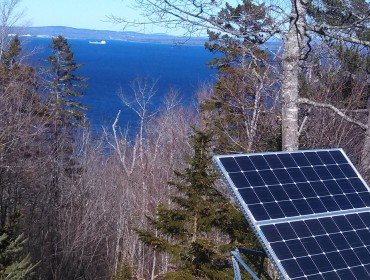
98 42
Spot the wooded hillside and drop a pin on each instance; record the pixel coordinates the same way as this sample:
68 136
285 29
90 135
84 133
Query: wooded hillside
152 207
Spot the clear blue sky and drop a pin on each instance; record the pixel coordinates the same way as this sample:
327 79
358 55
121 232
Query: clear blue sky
89 14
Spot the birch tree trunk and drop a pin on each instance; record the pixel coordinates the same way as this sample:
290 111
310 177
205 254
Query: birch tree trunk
293 49
365 154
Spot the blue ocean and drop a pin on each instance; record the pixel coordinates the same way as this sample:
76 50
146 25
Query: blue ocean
116 64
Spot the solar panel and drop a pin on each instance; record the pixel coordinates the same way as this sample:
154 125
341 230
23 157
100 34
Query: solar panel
310 210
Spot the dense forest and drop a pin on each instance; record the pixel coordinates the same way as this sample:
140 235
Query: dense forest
73 206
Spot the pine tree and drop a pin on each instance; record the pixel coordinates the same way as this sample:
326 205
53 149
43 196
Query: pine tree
239 103
187 228
65 85
9 55
13 265
66 118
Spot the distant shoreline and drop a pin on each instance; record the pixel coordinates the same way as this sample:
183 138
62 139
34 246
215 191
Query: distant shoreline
106 35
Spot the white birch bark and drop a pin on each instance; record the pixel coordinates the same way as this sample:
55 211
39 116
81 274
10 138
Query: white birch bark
294 45
365 153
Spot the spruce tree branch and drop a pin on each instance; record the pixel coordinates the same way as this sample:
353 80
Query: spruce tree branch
335 110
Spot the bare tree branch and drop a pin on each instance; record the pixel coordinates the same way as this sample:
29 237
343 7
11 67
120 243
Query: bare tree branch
335 110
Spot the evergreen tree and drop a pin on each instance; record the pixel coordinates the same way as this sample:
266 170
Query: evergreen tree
239 102
188 227
65 85
9 55
66 118
13 265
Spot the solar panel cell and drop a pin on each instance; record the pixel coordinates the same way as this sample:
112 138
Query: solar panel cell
269 177
292 191
239 180
307 265
249 195
335 171
314 277
311 246
315 227
273 161
286 231
323 172
365 197
363 254
358 185
329 203
346 274
258 211
296 247
244 164
320 188
301 229
288 208
343 202
287 160
322 263
364 236
339 241
350 258
254 178
352 238
281 250
306 190
283 176
264 194
329 224
360 273
356 222
325 243
292 268
333 187
348 170
336 260
259 162
296 175
311 209
342 223
326 158
346 186
338 156
310 174
300 159
313 158
230 164
274 210
316 205
271 233
278 193
356 200
365 217
303 207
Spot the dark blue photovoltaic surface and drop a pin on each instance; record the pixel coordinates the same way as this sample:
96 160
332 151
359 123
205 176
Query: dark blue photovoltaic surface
310 208
295 184
314 248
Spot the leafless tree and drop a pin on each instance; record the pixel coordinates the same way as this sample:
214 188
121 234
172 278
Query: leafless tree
10 15
287 20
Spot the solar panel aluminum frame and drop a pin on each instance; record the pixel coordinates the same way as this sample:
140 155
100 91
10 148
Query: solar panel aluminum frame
256 224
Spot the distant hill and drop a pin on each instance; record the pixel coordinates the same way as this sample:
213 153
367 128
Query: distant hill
77 33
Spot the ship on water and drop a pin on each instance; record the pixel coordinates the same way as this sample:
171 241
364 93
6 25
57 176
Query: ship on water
98 42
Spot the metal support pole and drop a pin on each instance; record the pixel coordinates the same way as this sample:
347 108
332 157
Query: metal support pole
236 255
237 275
